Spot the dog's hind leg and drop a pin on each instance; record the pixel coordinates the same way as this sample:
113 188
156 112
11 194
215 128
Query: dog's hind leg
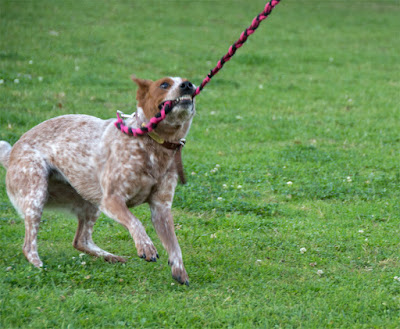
64 196
27 188
87 215
30 243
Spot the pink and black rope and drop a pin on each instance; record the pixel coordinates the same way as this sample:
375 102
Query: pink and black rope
167 106
152 124
243 37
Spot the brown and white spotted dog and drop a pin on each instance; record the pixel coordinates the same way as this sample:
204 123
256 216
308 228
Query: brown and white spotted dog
87 166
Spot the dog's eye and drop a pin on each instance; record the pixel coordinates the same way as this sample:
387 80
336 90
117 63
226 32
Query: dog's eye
164 85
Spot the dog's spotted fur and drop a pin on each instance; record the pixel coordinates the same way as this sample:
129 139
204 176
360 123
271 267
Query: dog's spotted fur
84 164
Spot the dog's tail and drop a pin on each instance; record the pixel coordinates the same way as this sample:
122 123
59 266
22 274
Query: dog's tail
5 150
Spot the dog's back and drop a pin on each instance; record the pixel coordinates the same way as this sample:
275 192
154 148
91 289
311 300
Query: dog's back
65 148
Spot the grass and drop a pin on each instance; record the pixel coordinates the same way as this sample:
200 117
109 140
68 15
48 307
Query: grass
312 99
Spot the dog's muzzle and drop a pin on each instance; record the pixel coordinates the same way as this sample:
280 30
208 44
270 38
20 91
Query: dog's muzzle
187 90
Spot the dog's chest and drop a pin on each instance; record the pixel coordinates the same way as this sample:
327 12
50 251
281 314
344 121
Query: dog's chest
141 169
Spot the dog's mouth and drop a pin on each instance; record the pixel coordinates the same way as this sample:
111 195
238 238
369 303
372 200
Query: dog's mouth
184 100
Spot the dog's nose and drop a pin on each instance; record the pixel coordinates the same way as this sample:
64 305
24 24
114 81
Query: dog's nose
186 86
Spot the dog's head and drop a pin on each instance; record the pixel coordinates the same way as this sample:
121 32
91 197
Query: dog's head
152 95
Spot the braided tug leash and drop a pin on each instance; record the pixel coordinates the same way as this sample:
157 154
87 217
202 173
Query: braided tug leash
168 105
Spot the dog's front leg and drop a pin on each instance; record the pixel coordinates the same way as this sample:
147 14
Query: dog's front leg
115 208
163 222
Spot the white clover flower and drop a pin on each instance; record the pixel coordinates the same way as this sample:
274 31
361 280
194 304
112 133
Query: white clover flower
212 112
219 198
217 165
238 117
193 173
360 231
83 263
40 79
320 272
303 250
397 278
224 186
30 62
239 186
213 236
260 86
81 255
1 81
289 183
348 178
16 80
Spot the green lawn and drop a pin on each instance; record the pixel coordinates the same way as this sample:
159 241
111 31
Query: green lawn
302 126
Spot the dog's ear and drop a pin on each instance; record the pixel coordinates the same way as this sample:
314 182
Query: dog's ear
143 85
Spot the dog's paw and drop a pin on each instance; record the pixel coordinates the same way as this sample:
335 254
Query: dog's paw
37 263
147 251
114 259
33 258
179 272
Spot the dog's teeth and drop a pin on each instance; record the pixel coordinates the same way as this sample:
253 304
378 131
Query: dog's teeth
185 97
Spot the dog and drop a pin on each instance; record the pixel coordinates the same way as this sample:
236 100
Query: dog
87 166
